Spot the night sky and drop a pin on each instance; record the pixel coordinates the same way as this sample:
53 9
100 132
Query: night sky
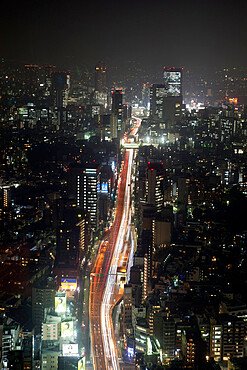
180 33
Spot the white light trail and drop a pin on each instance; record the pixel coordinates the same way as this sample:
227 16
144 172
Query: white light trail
111 355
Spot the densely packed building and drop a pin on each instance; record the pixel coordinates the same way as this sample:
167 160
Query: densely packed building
185 301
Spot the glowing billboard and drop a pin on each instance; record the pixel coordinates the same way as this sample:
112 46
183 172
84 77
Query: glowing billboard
67 329
69 284
60 304
70 349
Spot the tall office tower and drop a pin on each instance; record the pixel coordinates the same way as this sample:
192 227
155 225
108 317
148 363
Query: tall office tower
140 263
100 77
32 76
153 308
91 186
127 309
84 187
6 196
136 280
166 98
173 81
172 110
147 248
154 185
183 193
113 126
48 79
106 183
157 94
161 229
60 84
5 203
106 124
165 107
117 110
145 93
72 241
43 297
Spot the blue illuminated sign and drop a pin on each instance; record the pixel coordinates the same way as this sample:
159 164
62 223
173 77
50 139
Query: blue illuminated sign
104 187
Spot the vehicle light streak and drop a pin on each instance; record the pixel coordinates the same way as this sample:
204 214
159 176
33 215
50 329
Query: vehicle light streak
105 291
106 308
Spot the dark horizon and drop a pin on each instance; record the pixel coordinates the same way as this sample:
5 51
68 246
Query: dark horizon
189 33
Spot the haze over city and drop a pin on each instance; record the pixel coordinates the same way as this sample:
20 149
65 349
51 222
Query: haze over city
185 33
123 185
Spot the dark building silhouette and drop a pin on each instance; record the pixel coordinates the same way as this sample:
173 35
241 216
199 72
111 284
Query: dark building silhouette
100 77
117 110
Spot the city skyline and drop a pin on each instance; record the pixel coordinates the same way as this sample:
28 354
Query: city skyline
123 185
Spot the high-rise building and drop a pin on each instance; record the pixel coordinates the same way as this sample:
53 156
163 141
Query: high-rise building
145 93
113 126
154 184
166 98
183 192
169 337
60 83
127 309
42 298
173 81
100 77
233 333
161 229
84 187
193 348
6 196
73 233
215 340
171 110
90 196
117 110
5 203
157 94
153 309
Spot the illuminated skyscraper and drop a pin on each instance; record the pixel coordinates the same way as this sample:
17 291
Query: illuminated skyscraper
154 185
166 98
157 94
173 81
100 77
90 196
84 187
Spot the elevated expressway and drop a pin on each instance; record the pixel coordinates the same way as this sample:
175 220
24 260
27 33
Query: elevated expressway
105 288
